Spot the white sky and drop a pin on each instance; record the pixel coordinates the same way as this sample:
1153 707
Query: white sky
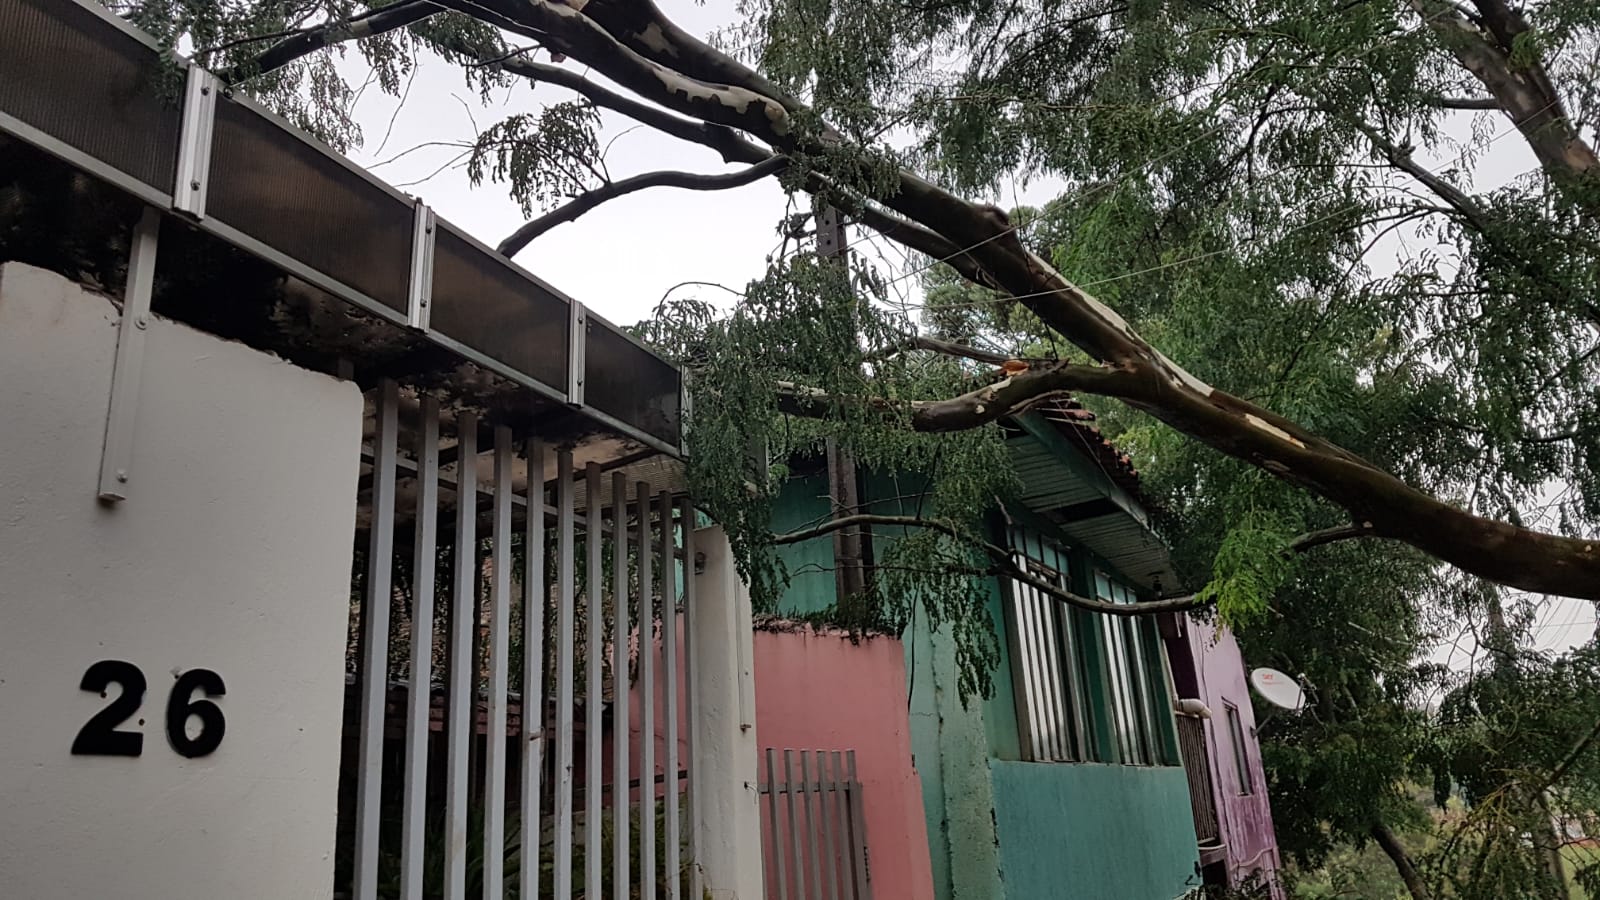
620 258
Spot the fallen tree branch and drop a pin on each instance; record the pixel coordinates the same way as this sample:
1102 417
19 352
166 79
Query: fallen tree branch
591 199
1329 535
990 403
303 43
1487 103
1003 563
630 43
950 348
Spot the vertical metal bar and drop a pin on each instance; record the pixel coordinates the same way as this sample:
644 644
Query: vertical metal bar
419 291
799 853
463 667
781 876
647 693
1052 661
811 824
858 828
419 696
841 820
536 593
577 351
375 640
116 457
1021 695
691 672
1030 634
825 824
594 654
669 674
494 793
566 624
620 706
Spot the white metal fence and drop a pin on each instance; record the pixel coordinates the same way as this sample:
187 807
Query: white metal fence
548 623
814 828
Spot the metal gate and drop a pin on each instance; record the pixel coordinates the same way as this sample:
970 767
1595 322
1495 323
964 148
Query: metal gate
814 835
518 663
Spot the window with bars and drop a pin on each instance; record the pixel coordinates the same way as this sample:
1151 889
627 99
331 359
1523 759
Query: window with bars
1132 662
1048 666
1086 686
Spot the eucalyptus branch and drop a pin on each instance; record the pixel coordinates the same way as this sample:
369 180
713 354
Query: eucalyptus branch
335 31
724 140
1002 563
990 403
1571 759
1330 535
1401 159
1485 103
949 348
612 190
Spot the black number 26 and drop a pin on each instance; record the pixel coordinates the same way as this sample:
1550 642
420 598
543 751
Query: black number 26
100 737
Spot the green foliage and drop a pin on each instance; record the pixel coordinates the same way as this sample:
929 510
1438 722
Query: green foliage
1251 565
1221 190
543 160
812 323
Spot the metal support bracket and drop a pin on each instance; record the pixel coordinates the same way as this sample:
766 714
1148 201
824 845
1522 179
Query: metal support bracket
577 347
419 301
116 458
194 142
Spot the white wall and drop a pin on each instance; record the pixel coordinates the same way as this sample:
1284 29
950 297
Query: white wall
722 770
232 552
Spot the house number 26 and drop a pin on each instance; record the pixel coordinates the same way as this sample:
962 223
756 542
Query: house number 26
99 736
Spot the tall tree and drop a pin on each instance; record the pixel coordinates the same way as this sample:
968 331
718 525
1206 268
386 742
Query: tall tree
1248 155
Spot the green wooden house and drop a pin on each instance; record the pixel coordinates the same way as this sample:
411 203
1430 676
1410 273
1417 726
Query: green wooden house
1067 781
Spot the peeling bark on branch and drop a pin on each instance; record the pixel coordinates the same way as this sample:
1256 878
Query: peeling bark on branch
633 45
1523 91
1002 563
990 403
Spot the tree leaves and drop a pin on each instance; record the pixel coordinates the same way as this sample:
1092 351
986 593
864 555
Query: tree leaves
1251 564
542 159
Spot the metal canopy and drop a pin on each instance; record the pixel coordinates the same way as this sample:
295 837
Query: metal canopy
357 272
1061 483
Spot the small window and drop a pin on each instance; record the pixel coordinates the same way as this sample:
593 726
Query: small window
1236 738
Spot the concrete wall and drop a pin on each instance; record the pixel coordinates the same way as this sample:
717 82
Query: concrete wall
231 553
863 686
1245 819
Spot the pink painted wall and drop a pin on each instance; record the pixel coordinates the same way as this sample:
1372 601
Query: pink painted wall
822 691
1246 819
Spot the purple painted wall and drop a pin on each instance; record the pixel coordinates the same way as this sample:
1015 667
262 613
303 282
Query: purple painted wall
1217 677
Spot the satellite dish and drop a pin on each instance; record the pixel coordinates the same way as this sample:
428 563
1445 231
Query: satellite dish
1278 689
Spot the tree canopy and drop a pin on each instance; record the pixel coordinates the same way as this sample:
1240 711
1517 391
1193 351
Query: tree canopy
1281 266
1225 171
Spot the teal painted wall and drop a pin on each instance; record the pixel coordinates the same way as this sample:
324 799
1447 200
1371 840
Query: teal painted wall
999 829
1086 831
803 502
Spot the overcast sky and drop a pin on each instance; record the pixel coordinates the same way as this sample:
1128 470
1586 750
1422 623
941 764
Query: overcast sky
621 258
